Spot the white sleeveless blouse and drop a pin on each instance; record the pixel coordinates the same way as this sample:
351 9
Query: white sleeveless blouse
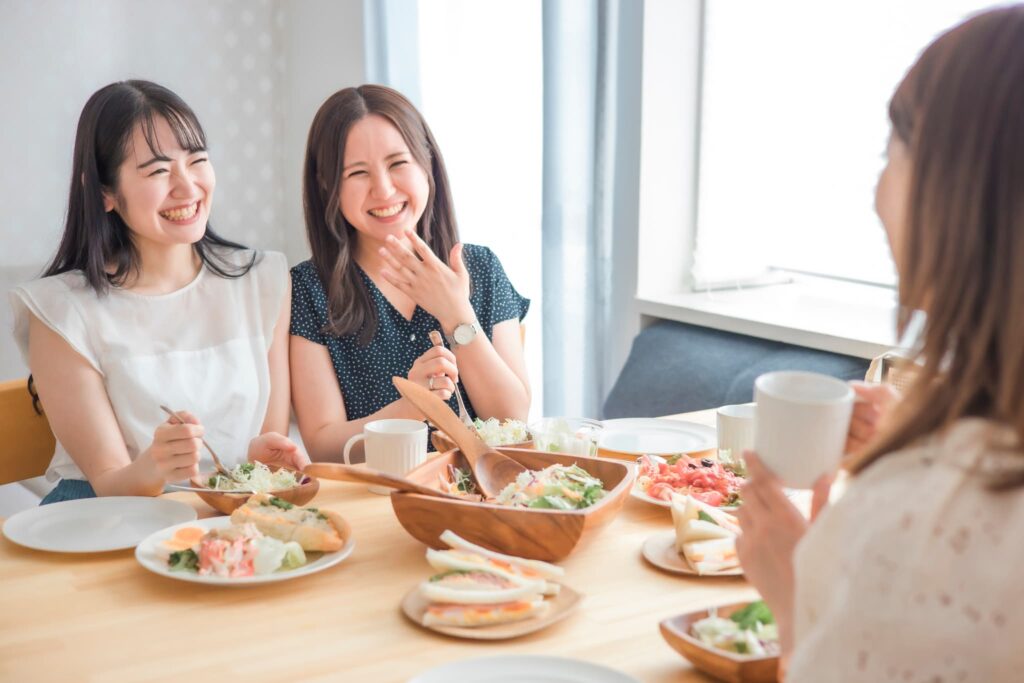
202 348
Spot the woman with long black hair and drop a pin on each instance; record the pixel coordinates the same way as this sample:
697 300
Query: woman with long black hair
145 305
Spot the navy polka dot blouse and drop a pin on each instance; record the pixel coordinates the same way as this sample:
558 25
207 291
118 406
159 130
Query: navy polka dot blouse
364 372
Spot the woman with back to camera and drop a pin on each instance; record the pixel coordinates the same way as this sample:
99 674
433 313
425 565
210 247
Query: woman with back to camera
911 575
145 305
387 268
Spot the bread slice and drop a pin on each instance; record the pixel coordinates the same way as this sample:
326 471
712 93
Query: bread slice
313 529
476 588
483 615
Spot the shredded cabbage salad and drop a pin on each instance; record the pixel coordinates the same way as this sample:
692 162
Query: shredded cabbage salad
557 487
494 433
557 435
254 476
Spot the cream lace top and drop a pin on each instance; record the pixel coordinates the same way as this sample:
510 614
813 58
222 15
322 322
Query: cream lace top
917 573
202 348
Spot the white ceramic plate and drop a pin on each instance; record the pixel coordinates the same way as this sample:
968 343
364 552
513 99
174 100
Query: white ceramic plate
640 435
147 556
523 669
94 525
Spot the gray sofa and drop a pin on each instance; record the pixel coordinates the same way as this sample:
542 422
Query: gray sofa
674 368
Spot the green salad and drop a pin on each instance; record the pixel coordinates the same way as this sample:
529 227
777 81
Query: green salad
558 487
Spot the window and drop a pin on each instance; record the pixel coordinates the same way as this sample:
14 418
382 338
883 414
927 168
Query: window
793 128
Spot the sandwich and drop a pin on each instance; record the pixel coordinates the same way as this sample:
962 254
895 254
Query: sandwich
705 535
479 587
313 529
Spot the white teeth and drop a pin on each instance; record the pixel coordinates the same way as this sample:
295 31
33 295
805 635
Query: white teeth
387 213
181 214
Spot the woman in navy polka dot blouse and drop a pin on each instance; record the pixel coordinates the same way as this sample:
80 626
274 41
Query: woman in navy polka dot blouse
387 269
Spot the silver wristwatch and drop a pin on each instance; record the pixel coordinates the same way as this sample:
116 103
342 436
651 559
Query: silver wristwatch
462 334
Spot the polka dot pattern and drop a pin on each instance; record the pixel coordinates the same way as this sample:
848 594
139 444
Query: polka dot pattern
364 373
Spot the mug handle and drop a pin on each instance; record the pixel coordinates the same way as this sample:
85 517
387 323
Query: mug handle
348 446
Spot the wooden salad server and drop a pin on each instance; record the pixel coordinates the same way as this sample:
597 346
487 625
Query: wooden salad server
333 470
491 470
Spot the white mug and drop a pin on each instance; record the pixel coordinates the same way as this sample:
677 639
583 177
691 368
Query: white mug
802 423
736 429
392 446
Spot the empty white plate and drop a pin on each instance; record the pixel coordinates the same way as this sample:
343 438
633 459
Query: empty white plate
95 525
640 435
523 669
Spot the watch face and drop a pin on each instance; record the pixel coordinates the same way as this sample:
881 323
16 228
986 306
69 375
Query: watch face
464 333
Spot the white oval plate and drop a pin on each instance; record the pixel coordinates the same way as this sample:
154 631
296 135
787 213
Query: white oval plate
641 435
147 556
523 669
95 525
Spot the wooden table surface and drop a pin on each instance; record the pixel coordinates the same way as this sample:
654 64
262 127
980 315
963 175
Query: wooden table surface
102 617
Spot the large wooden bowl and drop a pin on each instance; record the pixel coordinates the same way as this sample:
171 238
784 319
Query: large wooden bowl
548 535
227 502
722 665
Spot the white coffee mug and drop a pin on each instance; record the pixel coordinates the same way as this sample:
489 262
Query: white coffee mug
392 446
802 423
736 428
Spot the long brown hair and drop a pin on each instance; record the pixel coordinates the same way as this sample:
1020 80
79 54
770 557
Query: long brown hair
332 239
960 112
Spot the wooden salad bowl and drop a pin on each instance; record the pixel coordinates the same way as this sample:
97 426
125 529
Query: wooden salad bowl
227 502
548 535
722 665
443 443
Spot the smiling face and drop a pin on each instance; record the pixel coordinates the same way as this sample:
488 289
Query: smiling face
892 195
384 191
164 194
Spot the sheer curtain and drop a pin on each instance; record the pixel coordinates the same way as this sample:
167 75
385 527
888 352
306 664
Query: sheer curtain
592 66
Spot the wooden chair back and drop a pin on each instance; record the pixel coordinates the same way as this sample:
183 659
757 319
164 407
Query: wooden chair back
28 442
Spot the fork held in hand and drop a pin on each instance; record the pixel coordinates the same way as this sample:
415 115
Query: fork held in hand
216 461
435 337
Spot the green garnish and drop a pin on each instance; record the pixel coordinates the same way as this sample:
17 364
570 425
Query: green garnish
741 647
281 503
213 481
184 560
753 614
705 517
247 467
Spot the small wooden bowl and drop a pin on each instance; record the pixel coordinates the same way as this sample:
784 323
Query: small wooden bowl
723 665
443 443
227 502
548 535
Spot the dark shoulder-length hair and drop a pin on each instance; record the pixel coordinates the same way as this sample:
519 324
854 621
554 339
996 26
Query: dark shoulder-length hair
332 239
960 113
98 242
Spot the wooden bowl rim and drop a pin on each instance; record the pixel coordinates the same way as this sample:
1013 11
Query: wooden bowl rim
609 497
672 626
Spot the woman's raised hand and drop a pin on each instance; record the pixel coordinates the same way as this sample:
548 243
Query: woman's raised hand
440 290
436 369
873 402
174 452
271 448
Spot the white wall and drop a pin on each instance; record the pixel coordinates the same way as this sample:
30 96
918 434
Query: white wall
254 71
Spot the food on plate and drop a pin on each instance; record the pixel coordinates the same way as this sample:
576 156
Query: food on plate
558 487
479 587
702 478
236 551
313 529
576 436
750 631
254 476
495 433
705 535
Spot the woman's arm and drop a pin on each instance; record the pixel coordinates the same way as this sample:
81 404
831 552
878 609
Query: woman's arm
279 406
493 371
79 412
320 407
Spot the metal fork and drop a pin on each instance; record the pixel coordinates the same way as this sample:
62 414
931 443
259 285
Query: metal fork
435 337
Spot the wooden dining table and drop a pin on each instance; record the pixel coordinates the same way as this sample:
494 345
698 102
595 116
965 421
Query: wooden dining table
102 617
